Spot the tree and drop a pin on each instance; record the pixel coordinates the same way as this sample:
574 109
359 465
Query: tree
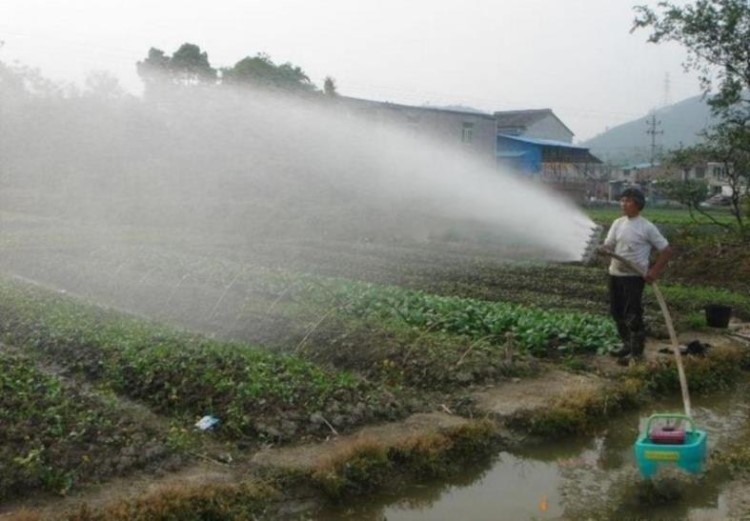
261 71
21 81
190 66
187 66
154 70
730 145
104 85
329 87
690 192
720 147
715 34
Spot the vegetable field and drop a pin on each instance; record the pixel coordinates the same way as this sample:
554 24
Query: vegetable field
114 349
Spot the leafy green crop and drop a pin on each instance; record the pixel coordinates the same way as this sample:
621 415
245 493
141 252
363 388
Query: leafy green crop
52 435
175 373
534 330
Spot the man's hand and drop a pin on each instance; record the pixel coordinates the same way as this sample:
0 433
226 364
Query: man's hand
651 275
659 265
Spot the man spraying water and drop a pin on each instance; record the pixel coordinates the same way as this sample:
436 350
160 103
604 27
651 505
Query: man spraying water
632 238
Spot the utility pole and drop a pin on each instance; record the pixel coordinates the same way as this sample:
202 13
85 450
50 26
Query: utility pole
653 123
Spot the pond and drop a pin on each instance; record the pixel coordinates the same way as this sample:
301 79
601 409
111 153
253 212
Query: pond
591 478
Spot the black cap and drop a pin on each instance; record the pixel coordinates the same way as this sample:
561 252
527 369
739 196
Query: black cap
636 195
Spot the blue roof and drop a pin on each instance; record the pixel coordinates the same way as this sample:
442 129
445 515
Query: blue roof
528 154
514 153
543 142
519 154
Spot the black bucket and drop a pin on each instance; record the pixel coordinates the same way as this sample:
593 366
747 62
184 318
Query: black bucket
718 315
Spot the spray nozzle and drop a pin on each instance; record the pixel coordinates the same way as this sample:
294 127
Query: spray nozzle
593 244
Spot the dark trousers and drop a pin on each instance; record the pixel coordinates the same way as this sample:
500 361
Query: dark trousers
626 307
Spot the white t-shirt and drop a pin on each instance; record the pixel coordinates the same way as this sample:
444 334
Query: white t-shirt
633 239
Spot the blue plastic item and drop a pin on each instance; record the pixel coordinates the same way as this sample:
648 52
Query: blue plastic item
207 423
690 456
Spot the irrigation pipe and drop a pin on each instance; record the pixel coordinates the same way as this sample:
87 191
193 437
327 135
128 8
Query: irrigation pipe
670 328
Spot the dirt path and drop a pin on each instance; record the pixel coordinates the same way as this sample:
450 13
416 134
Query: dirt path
305 458
529 395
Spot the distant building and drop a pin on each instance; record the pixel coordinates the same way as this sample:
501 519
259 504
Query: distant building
640 173
531 142
537 123
645 174
714 174
538 144
550 159
471 129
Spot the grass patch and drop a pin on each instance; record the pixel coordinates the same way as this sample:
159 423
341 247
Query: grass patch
690 300
240 502
719 370
579 411
672 216
371 465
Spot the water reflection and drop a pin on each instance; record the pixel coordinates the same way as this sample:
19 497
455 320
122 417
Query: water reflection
587 478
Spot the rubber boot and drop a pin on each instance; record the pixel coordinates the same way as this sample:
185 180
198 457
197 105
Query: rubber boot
637 345
624 349
621 351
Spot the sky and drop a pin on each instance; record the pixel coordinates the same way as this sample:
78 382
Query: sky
576 57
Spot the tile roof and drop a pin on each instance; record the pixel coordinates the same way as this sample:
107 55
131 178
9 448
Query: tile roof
524 118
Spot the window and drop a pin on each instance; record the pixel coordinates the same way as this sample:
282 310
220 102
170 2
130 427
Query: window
467 133
718 172
700 172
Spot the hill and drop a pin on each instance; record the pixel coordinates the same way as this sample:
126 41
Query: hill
629 143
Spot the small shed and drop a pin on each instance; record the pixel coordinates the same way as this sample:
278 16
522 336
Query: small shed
527 155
